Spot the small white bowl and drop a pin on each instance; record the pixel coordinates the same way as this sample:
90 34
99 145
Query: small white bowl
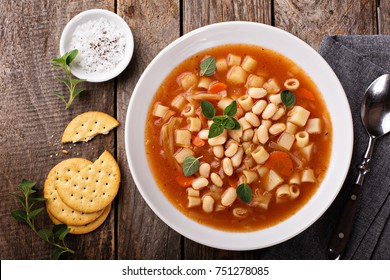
235 33
95 14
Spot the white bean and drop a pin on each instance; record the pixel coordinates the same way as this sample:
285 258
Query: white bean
229 196
216 179
269 111
204 170
227 166
237 158
247 135
252 119
259 107
262 134
208 204
277 128
199 183
218 151
231 149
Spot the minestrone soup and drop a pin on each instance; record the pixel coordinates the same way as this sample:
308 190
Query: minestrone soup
238 137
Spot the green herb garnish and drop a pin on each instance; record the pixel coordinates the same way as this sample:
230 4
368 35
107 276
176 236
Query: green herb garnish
63 63
288 98
190 165
28 215
226 121
244 192
208 66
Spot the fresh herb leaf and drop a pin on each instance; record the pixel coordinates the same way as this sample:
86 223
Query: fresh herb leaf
215 130
244 192
288 98
190 165
229 123
231 109
56 236
63 63
208 66
207 109
226 121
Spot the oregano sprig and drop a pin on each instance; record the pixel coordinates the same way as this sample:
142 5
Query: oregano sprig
63 63
29 213
220 123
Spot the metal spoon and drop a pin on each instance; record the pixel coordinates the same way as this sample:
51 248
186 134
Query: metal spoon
375 114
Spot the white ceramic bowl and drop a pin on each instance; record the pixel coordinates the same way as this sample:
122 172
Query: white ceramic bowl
96 14
256 34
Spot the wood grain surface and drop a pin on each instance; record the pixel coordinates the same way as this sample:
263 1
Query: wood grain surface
32 120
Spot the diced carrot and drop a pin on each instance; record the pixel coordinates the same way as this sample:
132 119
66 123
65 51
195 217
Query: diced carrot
184 181
304 93
198 142
217 87
280 162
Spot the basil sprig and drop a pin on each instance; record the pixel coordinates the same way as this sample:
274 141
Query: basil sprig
220 123
190 165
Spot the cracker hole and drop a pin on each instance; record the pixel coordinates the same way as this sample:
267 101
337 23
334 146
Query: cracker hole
81 197
82 124
91 200
97 181
77 133
94 190
54 198
63 210
104 193
96 122
72 212
68 170
71 194
84 188
57 178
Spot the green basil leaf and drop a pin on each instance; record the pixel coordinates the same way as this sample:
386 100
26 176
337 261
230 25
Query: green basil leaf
190 165
19 198
208 66
207 109
27 187
244 192
57 253
70 56
219 119
215 130
45 234
60 231
35 213
231 110
288 98
236 124
19 215
229 123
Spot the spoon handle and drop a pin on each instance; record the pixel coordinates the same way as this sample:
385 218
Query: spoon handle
343 229
344 226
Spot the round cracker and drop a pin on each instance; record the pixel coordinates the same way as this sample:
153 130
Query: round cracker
87 125
83 229
57 176
94 187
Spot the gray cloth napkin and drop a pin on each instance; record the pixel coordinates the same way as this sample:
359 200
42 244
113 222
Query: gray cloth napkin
357 61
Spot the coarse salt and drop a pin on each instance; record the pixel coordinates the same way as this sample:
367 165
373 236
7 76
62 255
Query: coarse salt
101 45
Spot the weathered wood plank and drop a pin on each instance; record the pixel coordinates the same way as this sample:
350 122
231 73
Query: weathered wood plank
384 17
32 121
200 13
141 234
311 20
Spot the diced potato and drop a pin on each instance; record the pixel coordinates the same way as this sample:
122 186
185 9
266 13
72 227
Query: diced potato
254 81
298 115
187 80
224 102
160 110
236 75
271 86
181 154
286 140
314 126
273 180
183 137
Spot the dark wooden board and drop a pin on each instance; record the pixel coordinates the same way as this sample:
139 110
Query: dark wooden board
140 233
32 121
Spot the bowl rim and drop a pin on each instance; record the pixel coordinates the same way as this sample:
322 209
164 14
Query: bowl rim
266 237
83 17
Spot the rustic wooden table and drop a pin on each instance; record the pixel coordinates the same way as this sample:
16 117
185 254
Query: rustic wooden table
32 120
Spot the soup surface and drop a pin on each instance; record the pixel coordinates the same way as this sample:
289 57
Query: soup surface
238 137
